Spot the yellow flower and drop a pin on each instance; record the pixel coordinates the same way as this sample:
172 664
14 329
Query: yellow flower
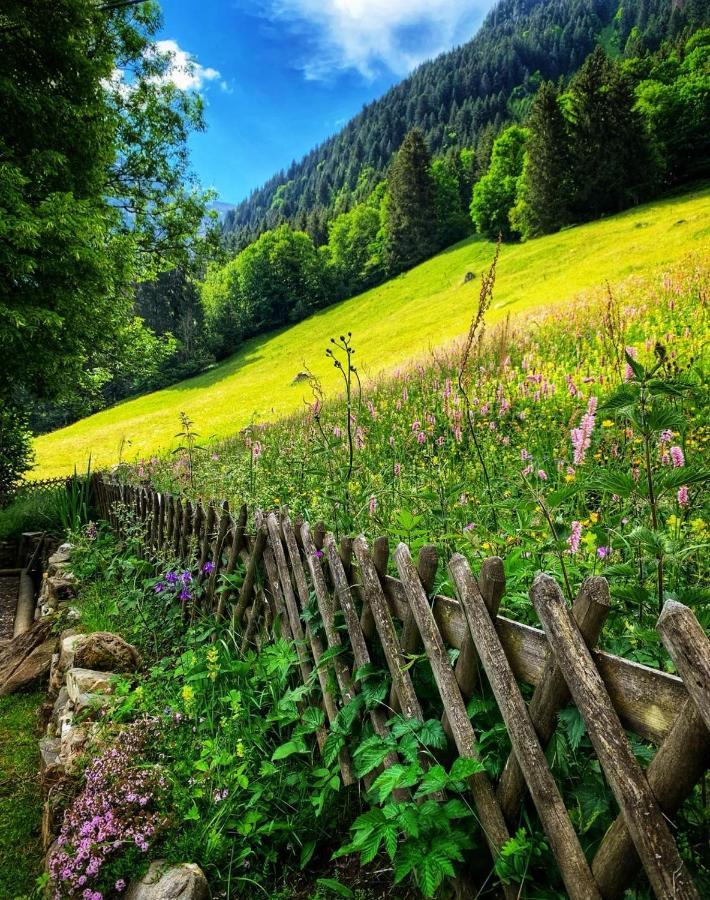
188 695
594 517
698 525
239 749
607 423
569 477
673 520
486 545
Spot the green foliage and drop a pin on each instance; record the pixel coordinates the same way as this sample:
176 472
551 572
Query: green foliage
543 193
92 187
612 164
410 206
33 510
494 195
452 222
16 455
355 245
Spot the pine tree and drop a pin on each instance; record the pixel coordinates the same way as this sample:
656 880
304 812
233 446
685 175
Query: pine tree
612 159
544 205
409 221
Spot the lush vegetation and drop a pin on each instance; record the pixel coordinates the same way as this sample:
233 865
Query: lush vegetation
599 144
571 442
96 195
426 307
20 796
459 100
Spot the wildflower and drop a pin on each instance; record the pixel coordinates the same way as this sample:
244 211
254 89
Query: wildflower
159 587
421 437
469 527
318 554
337 431
188 695
542 474
603 552
184 594
208 567
677 457
359 438
582 436
256 450
397 470
574 537
683 496
607 423
171 578
120 885
91 531
666 436
373 505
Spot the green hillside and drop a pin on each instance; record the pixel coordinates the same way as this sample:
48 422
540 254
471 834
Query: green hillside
425 308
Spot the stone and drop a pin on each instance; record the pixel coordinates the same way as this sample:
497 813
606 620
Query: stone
32 670
58 798
105 652
163 882
87 681
89 706
49 751
58 589
73 743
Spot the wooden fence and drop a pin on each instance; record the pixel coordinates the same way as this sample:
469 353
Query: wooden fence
25 488
390 619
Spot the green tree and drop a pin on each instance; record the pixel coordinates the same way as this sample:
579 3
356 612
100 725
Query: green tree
612 160
674 102
409 208
544 190
495 194
355 246
281 279
451 222
222 305
94 185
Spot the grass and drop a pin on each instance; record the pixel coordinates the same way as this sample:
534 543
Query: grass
20 800
400 320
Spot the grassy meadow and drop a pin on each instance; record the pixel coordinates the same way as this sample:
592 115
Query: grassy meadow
391 324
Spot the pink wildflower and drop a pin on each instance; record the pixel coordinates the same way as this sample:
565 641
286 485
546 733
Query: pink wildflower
677 457
574 537
683 496
582 436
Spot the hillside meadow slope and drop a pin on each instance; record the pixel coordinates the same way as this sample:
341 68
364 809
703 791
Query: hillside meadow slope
424 308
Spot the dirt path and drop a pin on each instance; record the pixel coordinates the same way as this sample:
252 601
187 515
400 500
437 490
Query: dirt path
9 587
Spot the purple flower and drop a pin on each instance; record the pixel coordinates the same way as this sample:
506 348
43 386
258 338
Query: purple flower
171 578
159 587
542 474
683 496
318 554
208 567
120 885
603 552
186 577
185 594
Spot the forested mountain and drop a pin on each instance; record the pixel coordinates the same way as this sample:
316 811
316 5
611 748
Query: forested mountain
458 100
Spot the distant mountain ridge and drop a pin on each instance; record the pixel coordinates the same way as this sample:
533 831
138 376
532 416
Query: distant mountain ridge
483 83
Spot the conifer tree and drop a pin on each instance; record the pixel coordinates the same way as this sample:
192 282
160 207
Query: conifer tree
409 219
543 202
612 159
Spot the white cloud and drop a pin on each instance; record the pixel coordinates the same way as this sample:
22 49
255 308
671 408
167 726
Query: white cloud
369 35
184 71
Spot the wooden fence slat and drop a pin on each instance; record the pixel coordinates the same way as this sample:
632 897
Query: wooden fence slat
304 596
327 612
489 813
207 537
689 648
177 527
647 827
410 640
236 546
564 843
380 555
250 574
673 772
160 533
491 583
590 610
294 618
225 521
361 654
396 662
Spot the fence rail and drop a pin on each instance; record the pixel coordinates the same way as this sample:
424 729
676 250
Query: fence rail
388 619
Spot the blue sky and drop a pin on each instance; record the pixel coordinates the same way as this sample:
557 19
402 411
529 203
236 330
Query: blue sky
279 76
